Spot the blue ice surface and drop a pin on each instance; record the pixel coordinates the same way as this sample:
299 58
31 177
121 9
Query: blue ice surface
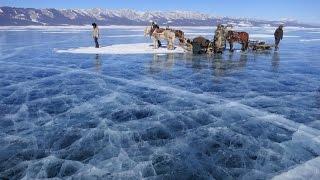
241 115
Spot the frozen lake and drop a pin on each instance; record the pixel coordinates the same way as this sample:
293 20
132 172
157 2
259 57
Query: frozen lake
241 115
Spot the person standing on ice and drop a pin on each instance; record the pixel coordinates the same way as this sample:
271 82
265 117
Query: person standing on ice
95 34
278 35
219 38
155 26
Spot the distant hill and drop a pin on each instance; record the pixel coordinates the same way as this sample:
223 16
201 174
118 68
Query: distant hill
12 16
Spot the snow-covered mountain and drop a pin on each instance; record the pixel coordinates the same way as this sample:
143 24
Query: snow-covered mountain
29 16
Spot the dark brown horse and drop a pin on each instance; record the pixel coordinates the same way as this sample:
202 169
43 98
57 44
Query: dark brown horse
180 35
240 37
201 45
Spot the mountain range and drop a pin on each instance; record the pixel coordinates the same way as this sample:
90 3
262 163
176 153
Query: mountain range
13 16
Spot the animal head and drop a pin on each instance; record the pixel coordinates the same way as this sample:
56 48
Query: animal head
179 33
147 31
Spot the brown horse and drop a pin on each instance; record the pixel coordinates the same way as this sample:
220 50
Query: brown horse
180 35
240 37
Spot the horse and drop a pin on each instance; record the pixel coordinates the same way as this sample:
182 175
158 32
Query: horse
180 35
240 37
161 34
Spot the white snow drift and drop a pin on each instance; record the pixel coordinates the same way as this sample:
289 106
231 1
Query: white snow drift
138 48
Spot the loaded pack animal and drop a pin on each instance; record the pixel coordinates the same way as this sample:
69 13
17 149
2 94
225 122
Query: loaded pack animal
200 45
240 37
157 34
222 35
179 34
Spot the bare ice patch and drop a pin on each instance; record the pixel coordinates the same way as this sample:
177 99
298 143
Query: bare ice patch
132 35
60 32
309 40
138 48
267 36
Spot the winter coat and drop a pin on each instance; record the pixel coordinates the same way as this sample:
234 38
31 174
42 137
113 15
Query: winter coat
95 32
278 34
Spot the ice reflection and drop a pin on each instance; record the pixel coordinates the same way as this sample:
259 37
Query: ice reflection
217 63
98 63
161 62
198 62
221 64
275 61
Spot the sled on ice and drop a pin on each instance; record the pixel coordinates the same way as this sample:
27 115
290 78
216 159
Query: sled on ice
256 45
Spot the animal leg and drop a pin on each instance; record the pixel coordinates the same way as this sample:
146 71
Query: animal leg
231 46
170 45
242 47
155 44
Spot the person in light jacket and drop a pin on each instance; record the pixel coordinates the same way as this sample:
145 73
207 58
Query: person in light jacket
95 34
278 35
155 26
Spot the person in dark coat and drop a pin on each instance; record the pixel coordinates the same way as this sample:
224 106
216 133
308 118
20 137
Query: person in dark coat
278 35
95 34
155 26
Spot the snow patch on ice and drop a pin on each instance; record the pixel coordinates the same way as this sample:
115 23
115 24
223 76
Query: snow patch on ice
60 32
133 35
138 48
